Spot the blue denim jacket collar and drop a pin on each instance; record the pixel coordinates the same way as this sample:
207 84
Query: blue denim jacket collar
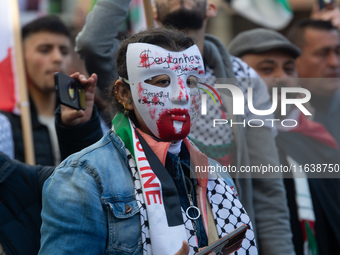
118 143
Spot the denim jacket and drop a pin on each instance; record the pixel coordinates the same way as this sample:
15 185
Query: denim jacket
89 204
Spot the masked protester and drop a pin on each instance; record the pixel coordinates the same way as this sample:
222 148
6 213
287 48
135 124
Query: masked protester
142 189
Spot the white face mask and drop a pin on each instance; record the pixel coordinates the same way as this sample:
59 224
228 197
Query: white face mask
167 105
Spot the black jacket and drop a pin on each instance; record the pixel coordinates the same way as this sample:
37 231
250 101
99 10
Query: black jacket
20 205
21 188
41 138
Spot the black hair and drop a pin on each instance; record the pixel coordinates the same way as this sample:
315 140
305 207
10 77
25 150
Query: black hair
51 24
296 32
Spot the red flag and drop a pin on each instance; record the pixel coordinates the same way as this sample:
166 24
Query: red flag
9 93
12 72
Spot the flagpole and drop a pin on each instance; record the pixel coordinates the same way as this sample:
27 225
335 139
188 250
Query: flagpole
20 71
148 13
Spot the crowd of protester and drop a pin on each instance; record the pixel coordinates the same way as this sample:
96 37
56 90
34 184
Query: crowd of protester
88 193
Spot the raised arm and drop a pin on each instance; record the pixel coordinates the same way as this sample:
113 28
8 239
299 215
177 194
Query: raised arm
97 43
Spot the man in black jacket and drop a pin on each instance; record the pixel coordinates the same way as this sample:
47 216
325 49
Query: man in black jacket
47 49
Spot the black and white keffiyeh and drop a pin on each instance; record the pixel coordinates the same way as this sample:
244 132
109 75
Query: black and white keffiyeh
160 232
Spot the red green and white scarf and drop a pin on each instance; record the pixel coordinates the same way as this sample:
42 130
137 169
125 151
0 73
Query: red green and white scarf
164 224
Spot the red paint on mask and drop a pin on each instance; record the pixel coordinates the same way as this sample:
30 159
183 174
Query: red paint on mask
152 112
201 72
144 60
182 87
166 127
195 103
155 100
181 82
169 60
140 90
180 96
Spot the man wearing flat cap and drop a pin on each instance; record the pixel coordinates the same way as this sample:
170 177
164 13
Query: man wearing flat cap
271 55
266 51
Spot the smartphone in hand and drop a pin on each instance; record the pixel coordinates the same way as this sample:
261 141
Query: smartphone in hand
70 91
227 244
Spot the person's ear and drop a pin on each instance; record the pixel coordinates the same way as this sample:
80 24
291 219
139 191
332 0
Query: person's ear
155 15
123 95
154 12
211 10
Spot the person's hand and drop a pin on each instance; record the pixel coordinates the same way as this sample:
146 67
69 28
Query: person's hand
185 249
332 15
72 117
